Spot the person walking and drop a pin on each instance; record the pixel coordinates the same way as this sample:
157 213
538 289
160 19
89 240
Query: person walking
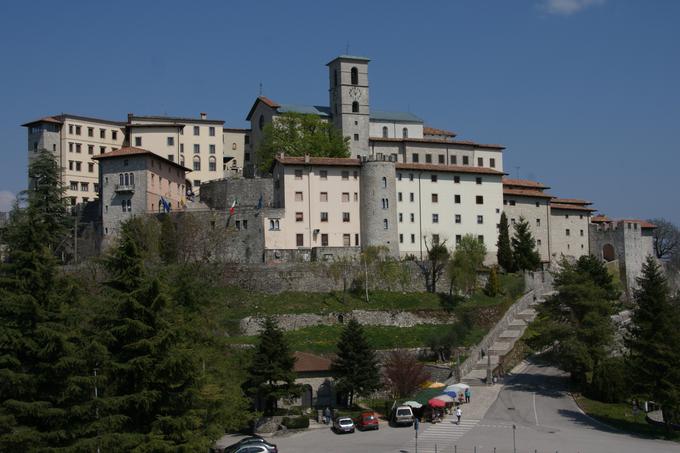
459 414
467 395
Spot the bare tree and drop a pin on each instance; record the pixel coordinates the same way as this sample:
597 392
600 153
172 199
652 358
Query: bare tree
433 268
666 238
403 373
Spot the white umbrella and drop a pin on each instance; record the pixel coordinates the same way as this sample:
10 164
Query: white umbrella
413 404
458 388
445 398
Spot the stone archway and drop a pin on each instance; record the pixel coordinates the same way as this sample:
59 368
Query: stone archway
608 253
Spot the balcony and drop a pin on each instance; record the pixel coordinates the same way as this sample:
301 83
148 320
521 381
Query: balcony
125 188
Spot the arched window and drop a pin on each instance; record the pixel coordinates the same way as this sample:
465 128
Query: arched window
355 107
384 181
384 131
132 179
127 179
120 177
386 224
212 164
355 76
197 163
404 133
233 146
260 122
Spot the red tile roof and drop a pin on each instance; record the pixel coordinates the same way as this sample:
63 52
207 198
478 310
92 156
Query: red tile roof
524 183
434 131
132 151
266 101
600 218
439 141
570 207
45 119
526 193
572 201
448 168
306 362
643 223
327 161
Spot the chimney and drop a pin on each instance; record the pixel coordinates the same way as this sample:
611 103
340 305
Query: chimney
204 115
307 159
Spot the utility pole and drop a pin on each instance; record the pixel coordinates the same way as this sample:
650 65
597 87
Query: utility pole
96 407
75 236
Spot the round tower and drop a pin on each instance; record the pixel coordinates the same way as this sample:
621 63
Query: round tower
379 205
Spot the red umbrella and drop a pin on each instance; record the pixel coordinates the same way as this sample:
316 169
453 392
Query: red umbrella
434 402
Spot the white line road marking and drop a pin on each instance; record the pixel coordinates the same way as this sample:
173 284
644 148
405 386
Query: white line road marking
442 435
535 413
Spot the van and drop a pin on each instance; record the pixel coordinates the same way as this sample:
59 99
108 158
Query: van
403 415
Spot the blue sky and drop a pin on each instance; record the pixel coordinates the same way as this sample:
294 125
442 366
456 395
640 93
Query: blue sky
584 93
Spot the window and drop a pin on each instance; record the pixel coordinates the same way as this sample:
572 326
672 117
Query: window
345 175
404 133
492 163
413 239
480 219
413 217
323 174
454 160
90 167
298 196
512 202
356 239
433 178
324 240
458 218
323 196
399 176
78 130
566 216
212 149
386 224
212 164
512 221
299 217
428 158
411 197
234 146
480 238
345 216
479 199
384 182
70 128
580 217
401 238
441 159
401 217
456 199
568 232
114 135
197 163
197 148
102 133
138 141
435 198
324 216
355 107
415 158
356 137
90 149
299 238
197 130
581 232
435 218
90 131
354 76
478 180
70 165
274 224
171 158
211 131
435 239
480 161
197 182
356 196
260 122
538 222
78 164
538 242
95 187
298 174
84 187
458 239
384 132
466 160
355 174
410 176
385 203
399 197
345 197
456 179
346 240
78 147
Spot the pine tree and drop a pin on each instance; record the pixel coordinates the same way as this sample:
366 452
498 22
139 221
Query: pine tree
525 255
504 254
493 284
355 367
654 357
271 375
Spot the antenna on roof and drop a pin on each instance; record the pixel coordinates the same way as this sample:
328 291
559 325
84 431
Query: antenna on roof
347 48
260 89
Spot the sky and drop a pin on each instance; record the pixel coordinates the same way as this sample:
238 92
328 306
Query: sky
584 94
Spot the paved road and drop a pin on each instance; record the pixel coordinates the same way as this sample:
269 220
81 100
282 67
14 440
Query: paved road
534 400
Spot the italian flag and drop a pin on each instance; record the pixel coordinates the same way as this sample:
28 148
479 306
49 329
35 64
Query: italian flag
232 209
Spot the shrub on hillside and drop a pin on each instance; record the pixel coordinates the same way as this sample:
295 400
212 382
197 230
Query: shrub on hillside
610 381
295 422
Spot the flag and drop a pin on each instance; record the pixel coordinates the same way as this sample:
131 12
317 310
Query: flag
259 202
232 209
166 205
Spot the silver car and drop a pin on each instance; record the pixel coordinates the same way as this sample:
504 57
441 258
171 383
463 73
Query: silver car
343 425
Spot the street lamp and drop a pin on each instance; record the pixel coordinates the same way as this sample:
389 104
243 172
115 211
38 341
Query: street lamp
514 444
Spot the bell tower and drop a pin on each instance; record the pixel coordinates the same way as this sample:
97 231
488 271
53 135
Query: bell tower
349 101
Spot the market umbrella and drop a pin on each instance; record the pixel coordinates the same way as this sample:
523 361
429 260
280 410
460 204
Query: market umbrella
424 395
435 402
451 392
445 398
460 387
436 385
413 404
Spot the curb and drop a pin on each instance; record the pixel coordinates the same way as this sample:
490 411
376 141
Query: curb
594 419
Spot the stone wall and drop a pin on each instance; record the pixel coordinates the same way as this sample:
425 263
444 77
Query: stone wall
253 325
220 194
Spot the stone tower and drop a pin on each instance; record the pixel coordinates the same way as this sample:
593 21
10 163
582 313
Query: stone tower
349 101
379 205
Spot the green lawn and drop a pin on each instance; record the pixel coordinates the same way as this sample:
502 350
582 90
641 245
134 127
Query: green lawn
323 339
620 416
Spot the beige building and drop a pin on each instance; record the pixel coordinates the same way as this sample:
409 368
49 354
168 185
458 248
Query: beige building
75 140
527 199
569 220
236 148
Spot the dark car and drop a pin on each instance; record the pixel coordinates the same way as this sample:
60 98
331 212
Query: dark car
343 425
366 420
251 441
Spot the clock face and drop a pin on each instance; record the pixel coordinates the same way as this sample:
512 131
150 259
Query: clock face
355 93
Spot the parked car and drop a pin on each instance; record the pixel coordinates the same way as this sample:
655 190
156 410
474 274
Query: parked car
366 420
251 442
403 416
343 425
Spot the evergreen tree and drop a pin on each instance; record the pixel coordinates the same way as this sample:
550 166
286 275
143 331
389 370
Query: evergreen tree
271 375
504 254
493 284
40 372
355 367
654 356
525 255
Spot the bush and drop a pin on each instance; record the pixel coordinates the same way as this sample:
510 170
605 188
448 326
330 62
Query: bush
295 422
450 301
609 383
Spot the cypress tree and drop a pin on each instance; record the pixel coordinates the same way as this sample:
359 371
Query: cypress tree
271 375
504 254
525 255
493 284
653 342
355 367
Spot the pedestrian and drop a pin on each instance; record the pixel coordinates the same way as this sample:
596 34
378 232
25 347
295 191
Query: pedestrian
326 415
459 414
467 395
